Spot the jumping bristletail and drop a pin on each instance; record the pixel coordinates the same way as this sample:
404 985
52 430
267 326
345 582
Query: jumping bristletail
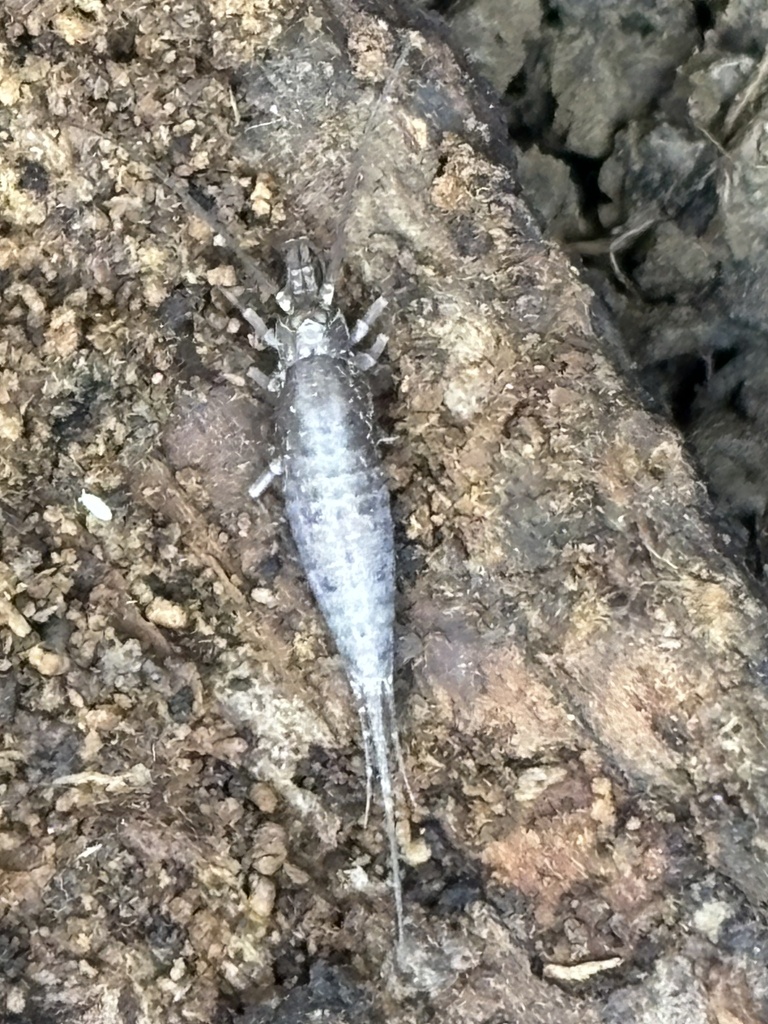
336 497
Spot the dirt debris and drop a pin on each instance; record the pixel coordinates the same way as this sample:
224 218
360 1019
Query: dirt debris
641 134
581 671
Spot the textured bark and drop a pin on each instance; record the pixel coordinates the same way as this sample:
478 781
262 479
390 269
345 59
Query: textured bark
582 674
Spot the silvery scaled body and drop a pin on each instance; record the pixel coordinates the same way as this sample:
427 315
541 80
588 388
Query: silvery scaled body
336 498
338 507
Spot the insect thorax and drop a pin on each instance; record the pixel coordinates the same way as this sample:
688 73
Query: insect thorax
317 332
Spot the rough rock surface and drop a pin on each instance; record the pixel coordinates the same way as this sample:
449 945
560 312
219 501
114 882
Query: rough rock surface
582 674
658 112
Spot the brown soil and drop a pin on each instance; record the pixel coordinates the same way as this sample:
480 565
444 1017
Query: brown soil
582 675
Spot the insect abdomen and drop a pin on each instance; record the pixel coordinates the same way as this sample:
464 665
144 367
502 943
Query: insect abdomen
338 508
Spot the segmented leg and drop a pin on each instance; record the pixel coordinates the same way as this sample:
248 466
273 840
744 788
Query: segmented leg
261 333
262 379
249 315
259 326
367 360
274 469
367 320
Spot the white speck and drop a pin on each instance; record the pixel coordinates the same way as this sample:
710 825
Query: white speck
581 972
94 504
89 851
358 879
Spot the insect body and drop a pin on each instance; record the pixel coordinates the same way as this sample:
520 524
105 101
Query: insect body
336 498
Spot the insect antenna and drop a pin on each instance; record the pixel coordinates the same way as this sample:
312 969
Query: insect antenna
266 284
356 170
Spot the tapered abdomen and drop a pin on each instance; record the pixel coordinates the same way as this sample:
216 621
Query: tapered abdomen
338 508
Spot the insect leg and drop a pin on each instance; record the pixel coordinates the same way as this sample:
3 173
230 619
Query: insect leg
254 320
267 337
248 314
367 360
263 380
275 468
261 333
367 320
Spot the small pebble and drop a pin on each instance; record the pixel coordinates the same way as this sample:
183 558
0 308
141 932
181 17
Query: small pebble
262 897
12 617
178 970
263 596
167 614
47 663
223 277
16 1001
11 423
264 797
62 337
269 848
